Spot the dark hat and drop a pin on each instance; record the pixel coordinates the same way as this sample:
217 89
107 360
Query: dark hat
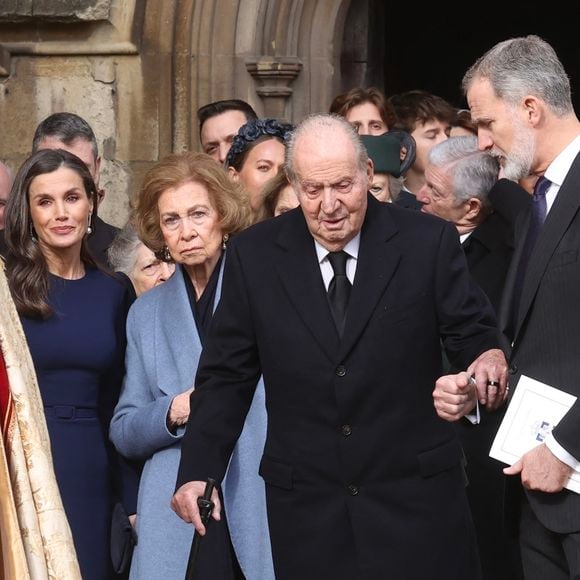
385 153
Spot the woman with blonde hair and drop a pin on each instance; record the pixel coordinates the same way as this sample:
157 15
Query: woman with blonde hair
186 210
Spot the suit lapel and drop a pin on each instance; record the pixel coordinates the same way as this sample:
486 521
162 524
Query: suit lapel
563 211
300 274
377 262
179 346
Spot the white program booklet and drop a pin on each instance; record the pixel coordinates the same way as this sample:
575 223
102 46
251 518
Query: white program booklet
535 409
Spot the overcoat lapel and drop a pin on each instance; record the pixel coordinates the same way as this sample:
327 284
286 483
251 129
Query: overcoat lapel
377 262
179 345
557 222
299 271
300 274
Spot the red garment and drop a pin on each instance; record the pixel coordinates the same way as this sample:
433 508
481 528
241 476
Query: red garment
5 399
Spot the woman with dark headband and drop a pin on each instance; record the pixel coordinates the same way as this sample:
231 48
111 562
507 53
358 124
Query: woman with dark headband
256 156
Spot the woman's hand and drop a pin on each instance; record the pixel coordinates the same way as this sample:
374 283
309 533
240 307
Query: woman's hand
179 409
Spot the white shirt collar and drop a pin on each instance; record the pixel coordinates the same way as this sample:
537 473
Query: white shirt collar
464 237
558 169
351 249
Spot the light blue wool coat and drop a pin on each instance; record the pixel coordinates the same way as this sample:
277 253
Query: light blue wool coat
163 349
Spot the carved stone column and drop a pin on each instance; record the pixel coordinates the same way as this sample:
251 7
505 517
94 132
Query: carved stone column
274 77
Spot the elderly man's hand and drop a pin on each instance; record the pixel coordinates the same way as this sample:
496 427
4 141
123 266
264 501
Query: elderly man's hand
454 396
184 504
490 371
541 470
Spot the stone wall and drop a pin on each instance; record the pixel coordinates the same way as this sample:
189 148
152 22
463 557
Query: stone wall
137 70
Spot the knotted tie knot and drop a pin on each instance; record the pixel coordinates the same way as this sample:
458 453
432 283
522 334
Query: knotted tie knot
338 262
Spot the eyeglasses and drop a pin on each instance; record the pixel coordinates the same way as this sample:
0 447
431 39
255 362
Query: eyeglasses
174 221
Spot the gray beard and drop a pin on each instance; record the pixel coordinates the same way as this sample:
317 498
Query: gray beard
518 164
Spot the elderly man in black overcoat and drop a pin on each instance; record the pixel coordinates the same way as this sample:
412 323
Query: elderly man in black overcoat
341 304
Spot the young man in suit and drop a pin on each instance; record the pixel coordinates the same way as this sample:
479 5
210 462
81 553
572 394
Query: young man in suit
427 118
219 123
331 302
519 95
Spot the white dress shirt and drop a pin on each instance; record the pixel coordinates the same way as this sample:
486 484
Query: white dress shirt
326 268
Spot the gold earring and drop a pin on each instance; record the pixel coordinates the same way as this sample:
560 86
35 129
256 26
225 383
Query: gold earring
225 241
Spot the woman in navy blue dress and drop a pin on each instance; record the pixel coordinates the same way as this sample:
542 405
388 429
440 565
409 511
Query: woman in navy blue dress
73 316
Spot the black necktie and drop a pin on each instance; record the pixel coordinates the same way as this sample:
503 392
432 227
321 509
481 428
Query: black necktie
537 218
339 289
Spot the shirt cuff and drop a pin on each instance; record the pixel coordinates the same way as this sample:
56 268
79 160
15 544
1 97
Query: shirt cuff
561 453
474 417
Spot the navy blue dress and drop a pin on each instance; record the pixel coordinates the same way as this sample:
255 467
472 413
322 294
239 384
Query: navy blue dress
79 354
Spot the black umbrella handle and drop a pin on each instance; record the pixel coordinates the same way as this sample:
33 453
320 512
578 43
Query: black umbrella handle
205 506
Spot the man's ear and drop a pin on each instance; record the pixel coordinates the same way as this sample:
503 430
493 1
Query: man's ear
474 207
97 171
370 172
533 110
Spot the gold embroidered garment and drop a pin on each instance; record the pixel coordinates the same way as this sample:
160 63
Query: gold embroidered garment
35 538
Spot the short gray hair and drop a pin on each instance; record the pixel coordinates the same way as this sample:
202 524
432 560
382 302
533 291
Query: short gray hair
473 172
320 123
122 253
67 128
524 66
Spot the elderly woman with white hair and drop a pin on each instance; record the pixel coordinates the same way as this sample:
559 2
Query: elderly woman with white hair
130 256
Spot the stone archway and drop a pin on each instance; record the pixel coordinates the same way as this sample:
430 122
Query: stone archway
137 70
282 56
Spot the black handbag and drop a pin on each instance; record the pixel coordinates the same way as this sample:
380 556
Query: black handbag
123 539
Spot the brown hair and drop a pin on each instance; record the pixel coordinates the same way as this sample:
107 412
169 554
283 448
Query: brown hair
271 192
463 119
416 106
342 104
228 198
26 265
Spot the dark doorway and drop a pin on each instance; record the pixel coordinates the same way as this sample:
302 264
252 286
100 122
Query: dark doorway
406 47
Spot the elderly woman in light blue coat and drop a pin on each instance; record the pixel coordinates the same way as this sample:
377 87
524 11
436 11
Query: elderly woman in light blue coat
186 210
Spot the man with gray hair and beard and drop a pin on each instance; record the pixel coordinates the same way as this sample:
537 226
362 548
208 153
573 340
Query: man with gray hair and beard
520 99
331 302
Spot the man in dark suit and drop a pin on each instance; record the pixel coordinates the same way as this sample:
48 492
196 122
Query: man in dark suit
458 178
219 123
341 305
72 133
519 95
